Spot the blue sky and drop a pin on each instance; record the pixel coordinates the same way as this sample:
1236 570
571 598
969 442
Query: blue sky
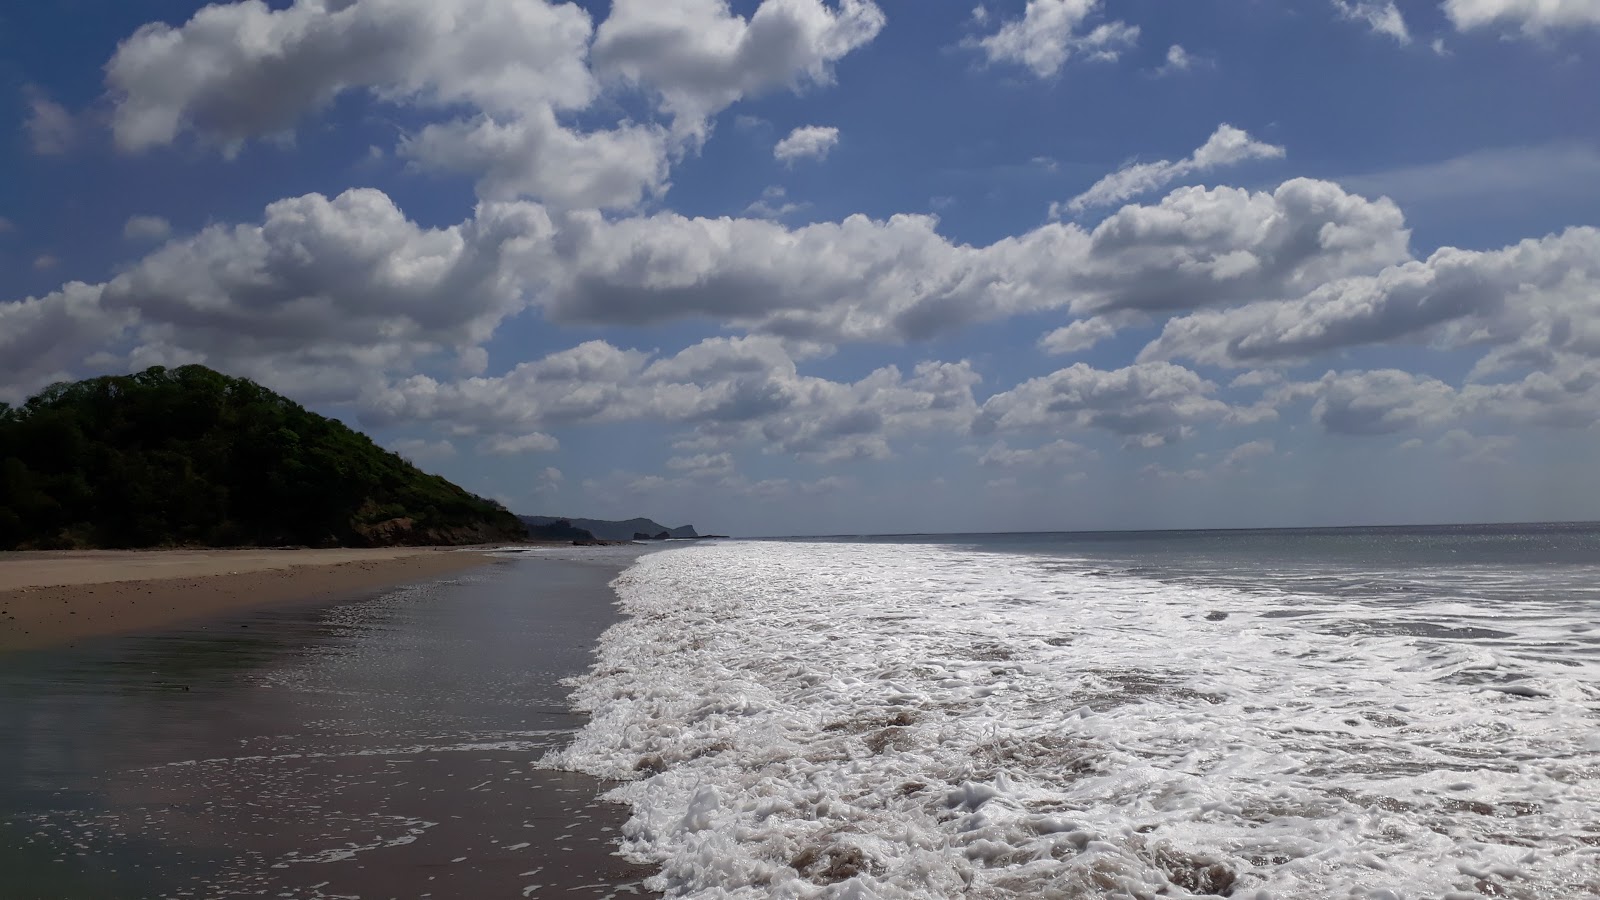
801 266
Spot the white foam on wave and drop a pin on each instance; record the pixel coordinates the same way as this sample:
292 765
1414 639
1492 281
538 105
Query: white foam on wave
850 720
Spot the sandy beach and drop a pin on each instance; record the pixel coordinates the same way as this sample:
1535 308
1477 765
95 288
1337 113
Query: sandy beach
53 598
383 743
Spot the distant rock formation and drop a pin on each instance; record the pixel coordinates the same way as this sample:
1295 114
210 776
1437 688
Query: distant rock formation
560 530
609 530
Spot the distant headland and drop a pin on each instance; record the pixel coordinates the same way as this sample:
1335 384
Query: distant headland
192 457
616 529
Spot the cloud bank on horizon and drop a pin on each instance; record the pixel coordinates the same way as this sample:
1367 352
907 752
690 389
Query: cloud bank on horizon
823 265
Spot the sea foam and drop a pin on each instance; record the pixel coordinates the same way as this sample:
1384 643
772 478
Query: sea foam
871 720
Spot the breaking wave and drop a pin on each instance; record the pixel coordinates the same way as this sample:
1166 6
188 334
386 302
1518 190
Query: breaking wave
896 721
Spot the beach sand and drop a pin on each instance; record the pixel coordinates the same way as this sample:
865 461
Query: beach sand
51 598
383 745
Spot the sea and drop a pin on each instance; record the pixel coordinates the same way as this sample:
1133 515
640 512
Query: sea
1344 713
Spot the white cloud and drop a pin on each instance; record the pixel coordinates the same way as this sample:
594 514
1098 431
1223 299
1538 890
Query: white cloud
730 390
517 444
146 228
51 129
806 142
41 337
1531 302
238 70
1247 451
895 279
1055 453
699 57
1178 60
1381 16
319 297
1533 16
505 80
323 297
1227 146
1390 401
1086 333
703 465
535 156
45 261
774 203
1051 32
550 480
1148 404
419 450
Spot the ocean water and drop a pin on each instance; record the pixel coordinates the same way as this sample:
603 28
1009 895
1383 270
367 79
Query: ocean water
1363 713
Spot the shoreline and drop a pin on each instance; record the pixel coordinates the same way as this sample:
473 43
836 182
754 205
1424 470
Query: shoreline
51 599
377 747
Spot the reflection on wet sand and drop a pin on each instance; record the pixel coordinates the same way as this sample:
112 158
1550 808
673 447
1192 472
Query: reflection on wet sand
380 748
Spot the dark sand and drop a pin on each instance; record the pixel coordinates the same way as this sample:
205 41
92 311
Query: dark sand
381 748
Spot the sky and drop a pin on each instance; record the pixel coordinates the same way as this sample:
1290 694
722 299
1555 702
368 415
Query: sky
844 266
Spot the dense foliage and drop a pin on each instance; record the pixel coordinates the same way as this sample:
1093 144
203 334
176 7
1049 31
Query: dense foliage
189 456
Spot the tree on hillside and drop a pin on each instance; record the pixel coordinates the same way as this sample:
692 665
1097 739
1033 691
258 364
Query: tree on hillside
192 456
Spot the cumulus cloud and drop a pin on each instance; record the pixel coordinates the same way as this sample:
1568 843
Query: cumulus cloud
323 296
42 337
896 279
146 228
1391 401
1531 301
520 69
699 57
1148 404
318 295
729 390
1051 32
1532 16
1227 146
238 70
806 142
535 156
1381 16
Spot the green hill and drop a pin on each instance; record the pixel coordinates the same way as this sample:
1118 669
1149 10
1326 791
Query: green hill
189 456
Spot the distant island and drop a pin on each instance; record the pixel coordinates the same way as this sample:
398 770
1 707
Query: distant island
192 457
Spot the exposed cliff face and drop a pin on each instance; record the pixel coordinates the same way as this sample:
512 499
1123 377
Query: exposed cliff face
404 532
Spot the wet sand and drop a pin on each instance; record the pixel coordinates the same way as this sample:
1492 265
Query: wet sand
379 748
55 598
